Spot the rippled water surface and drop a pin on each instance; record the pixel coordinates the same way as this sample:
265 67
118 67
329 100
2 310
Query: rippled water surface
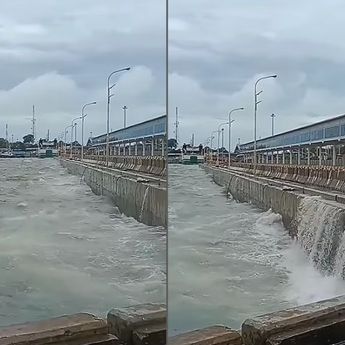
229 261
65 250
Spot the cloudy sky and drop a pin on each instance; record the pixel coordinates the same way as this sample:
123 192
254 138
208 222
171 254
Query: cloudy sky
217 49
57 55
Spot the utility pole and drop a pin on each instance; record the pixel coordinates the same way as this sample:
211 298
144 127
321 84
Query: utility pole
176 125
273 116
33 122
8 144
124 115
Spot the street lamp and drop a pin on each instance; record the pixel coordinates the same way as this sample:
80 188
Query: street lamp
109 87
66 137
230 122
72 125
273 116
223 123
82 127
211 144
256 102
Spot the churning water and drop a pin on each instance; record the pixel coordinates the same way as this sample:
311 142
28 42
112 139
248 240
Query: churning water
229 261
65 250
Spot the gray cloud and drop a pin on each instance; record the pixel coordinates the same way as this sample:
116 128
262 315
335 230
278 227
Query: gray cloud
218 49
57 55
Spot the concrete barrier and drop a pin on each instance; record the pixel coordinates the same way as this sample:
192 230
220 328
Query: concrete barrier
139 325
146 164
312 324
78 329
328 177
134 195
136 325
214 335
263 195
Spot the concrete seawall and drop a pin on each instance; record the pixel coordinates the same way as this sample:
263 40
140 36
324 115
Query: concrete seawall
263 195
135 195
290 204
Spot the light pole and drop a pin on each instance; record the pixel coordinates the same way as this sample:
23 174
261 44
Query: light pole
256 102
72 125
211 144
223 123
273 116
124 115
109 87
66 137
82 127
230 122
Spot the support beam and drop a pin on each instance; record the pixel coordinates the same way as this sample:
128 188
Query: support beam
308 156
290 156
320 155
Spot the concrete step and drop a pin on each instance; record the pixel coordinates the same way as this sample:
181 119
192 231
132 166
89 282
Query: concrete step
215 335
318 334
151 334
139 325
93 340
315 323
54 331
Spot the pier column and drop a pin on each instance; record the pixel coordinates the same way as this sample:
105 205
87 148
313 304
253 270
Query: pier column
129 148
283 157
334 155
266 157
144 143
277 157
320 155
308 156
162 143
299 156
136 148
152 147
290 156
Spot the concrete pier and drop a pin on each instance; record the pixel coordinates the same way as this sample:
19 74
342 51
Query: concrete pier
136 325
136 195
317 323
267 194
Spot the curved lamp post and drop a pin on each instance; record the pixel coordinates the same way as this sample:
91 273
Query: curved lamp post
230 122
66 137
109 87
72 125
223 123
256 102
82 127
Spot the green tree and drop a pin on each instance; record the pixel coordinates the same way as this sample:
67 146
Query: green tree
3 143
29 138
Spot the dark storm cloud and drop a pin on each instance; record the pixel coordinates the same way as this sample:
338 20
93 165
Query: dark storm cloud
57 54
218 49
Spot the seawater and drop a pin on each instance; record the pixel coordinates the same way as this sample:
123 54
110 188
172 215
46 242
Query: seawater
65 250
230 261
